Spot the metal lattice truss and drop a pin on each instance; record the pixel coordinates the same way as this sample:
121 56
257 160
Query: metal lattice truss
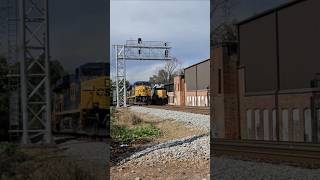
12 28
136 50
120 76
34 71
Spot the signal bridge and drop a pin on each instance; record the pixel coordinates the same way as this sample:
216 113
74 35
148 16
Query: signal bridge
136 50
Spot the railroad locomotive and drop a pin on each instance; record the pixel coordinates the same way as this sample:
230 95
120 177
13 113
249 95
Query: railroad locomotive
139 93
159 95
82 101
142 93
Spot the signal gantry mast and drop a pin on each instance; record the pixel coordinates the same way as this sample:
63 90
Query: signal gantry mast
140 51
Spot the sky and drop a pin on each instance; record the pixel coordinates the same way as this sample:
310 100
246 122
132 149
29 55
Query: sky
243 9
79 29
79 32
186 24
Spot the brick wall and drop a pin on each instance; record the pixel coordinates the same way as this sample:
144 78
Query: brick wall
197 98
282 115
272 109
224 77
179 88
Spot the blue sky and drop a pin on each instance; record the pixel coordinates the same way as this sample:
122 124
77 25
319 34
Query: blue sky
186 24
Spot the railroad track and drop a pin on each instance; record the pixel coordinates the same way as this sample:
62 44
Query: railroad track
295 153
190 109
66 136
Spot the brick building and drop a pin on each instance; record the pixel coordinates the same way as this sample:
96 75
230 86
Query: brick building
192 88
267 86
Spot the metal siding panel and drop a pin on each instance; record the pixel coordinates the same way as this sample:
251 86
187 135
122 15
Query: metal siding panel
258 53
257 123
285 122
266 124
307 126
249 123
274 124
298 44
190 77
203 75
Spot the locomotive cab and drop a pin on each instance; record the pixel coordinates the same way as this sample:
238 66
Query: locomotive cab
159 95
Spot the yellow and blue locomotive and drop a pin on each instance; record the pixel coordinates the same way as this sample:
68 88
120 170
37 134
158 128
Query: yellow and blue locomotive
159 95
142 93
82 101
139 93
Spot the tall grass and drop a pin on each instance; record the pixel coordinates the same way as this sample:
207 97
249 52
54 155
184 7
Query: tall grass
10 158
127 127
125 134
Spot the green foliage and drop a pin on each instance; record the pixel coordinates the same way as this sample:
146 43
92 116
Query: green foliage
124 134
10 158
56 71
3 74
8 149
4 90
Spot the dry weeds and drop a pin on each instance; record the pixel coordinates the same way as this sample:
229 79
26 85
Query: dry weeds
170 130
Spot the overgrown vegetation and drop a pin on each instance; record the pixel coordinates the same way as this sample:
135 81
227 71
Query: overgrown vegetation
126 135
10 158
127 127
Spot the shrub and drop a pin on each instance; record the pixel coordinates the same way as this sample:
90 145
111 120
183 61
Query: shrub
126 135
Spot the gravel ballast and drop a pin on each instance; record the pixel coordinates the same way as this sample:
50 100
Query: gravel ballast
225 168
191 149
190 119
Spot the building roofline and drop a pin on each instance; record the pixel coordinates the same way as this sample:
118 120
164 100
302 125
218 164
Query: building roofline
269 11
197 63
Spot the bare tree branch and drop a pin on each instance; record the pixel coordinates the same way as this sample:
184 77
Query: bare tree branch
167 73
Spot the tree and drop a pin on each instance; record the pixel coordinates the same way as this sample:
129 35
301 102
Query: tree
3 74
222 25
166 74
225 32
56 71
4 90
4 99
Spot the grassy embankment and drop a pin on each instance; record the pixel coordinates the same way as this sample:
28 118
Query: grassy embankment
127 127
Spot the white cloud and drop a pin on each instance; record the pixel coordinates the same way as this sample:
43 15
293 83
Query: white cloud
186 24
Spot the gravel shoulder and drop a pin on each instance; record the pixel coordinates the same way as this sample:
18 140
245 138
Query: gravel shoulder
224 168
189 119
185 156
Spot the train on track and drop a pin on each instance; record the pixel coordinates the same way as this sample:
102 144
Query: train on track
142 93
82 101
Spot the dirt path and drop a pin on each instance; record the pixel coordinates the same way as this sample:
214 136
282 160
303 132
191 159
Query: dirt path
163 170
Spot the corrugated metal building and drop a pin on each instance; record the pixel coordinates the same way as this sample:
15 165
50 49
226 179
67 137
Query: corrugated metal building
197 79
268 89
192 89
